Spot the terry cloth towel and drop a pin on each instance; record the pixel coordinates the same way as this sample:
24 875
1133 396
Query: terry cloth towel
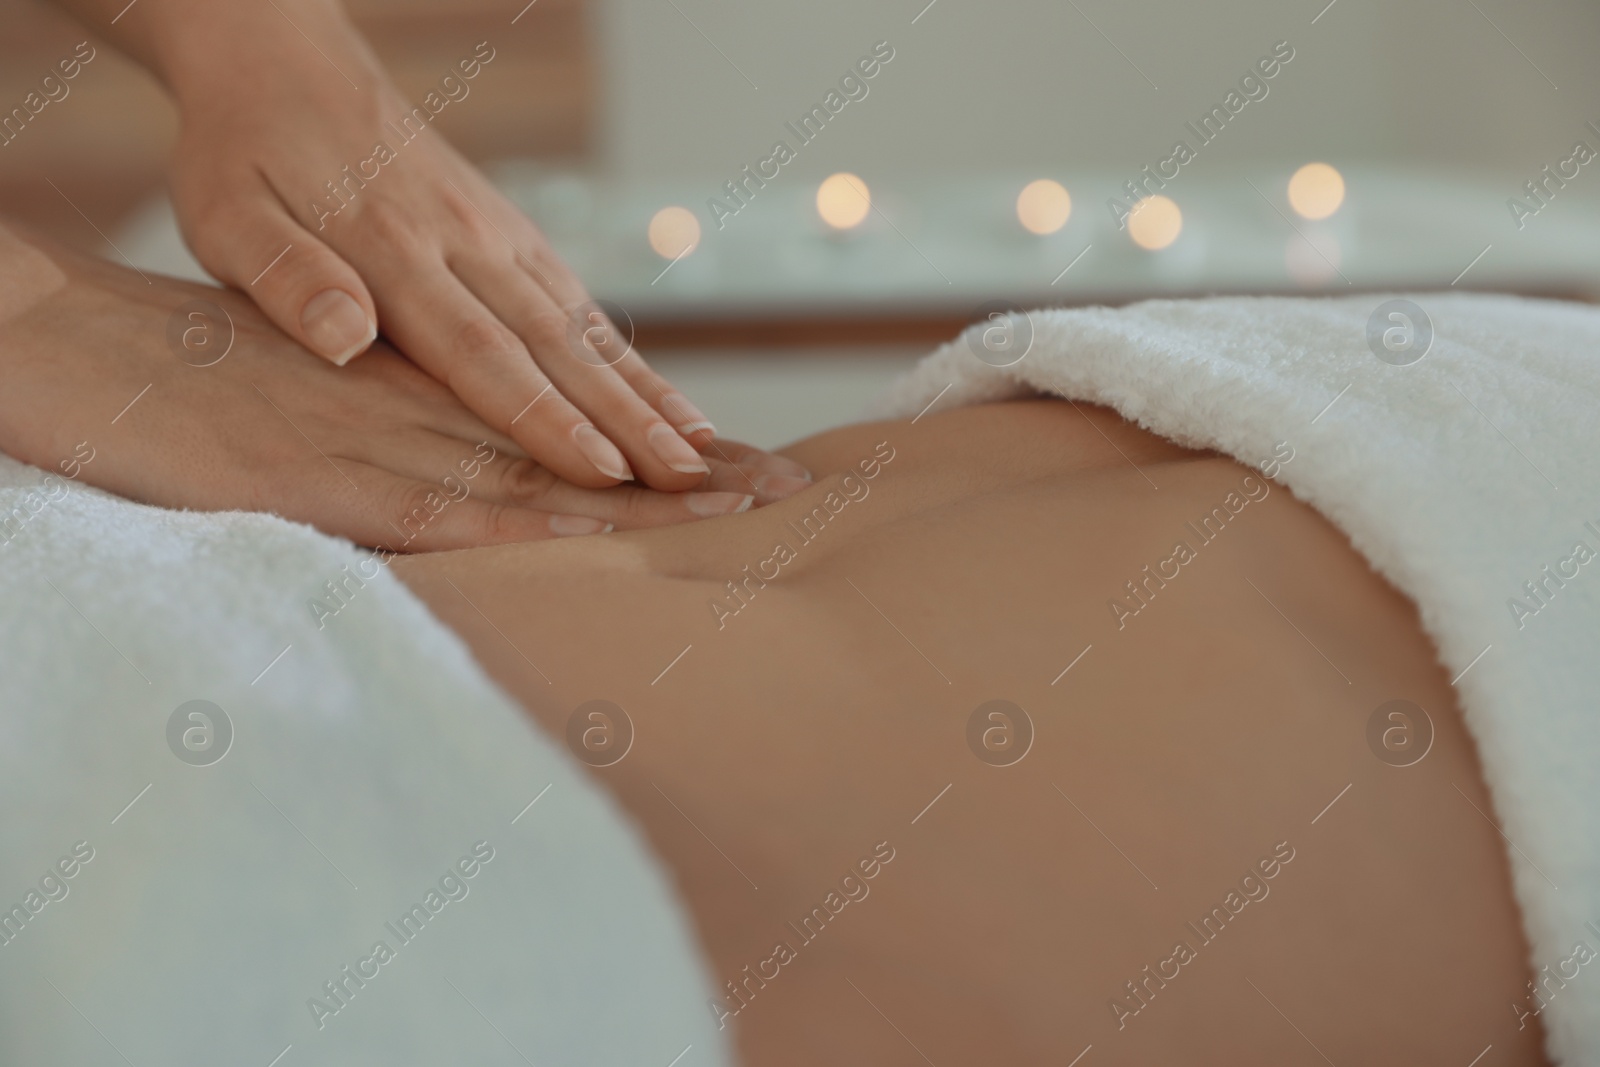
1468 477
161 906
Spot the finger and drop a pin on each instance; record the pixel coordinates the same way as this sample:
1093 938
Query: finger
677 409
507 475
752 458
766 488
574 354
427 403
451 335
532 254
771 478
456 469
563 292
406 515
632 507
306 289
557 294
453 465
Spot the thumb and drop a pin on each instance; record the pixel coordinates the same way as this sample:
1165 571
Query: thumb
303 286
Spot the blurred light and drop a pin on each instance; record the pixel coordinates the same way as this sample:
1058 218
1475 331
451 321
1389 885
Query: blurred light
674 232
843 200
1043 206
1313 260
1316 191
1155 223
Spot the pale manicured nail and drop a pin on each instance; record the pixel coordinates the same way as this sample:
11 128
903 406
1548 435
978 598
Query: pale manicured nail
336 328
785 465
674 451
577 525
778 486
602 453
685 416
710 505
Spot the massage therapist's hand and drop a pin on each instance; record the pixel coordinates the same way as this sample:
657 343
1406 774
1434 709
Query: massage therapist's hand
304 179
99 382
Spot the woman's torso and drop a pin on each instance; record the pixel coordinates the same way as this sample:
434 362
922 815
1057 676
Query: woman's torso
809 688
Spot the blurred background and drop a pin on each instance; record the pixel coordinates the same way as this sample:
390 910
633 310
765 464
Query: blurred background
981 163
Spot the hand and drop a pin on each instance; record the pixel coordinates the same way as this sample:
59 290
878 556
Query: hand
309 183
99 385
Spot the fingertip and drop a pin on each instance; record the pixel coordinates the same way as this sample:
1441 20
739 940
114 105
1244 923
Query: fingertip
699 435
336 326
599 451
775 487
714 504
784 465
578 525
687 419
675 452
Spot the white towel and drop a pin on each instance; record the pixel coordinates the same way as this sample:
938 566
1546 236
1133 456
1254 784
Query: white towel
185 914
1459 476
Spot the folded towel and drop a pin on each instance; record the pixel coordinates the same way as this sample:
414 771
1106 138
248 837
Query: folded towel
220 802
1456 440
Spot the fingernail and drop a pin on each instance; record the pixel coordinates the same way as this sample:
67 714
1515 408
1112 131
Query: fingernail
785 465
335 326
602 453
778 486
685 416
710 505
674 451
577 525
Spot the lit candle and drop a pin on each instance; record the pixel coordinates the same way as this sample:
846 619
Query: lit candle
1316 191
674 232
1155 223
843 200
1043 206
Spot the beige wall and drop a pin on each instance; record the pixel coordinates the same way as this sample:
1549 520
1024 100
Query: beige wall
1024 84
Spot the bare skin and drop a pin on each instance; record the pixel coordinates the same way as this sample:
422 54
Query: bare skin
184 396
298 183
1202 741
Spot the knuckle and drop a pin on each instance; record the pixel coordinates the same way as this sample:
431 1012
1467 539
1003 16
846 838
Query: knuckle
464 218
527 480
411 508
483 336
549 328
485 236
390 231
459 211
540 261
502 522
641 507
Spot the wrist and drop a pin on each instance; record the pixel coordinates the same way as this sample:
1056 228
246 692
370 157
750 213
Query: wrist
227 52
